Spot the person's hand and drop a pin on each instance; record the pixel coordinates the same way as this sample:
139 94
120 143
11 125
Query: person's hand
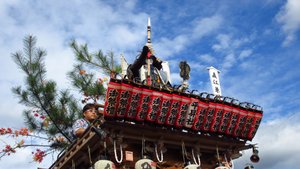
101 116
79 132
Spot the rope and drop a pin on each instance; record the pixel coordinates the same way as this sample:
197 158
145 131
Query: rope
232 164
198 158
105 148
184 154
115 151
225 158
218 156
73 164
143 146
161 155
90 158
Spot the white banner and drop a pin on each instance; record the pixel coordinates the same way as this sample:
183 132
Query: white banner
214 80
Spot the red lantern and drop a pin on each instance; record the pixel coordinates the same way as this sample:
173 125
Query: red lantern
200 117
219 112
227 112
165 108
125 99
112 98
154 109
210 113
144 105
256 122
175 106
241 121
234 117
183 108
134 101
249 121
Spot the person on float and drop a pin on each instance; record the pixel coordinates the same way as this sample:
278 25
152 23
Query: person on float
90 113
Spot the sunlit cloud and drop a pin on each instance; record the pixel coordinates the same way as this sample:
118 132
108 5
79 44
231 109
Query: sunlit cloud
201 27
277 144
206 58
245 53
289 18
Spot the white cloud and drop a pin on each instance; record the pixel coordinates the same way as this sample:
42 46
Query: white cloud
176 79
200 27
54 25
168 47
196 66
207 25
224 42
11 111
245 53
229 61
289 18
206 58
278 144
231 51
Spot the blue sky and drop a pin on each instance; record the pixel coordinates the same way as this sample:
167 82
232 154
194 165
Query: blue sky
255 45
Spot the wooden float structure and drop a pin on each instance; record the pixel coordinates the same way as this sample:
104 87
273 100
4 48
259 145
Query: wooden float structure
85 151
172 126
127 133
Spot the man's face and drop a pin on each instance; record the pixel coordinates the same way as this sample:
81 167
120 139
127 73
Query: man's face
90 114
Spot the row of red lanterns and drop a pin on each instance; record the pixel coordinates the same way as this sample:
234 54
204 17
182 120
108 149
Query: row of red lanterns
198 112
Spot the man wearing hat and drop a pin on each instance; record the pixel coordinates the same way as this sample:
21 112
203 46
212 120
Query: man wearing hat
90 113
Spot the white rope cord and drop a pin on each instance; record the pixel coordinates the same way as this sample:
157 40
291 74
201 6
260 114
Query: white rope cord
183 151
143 146
232 164
218 156
105 148
226 162
90 158
115 151
104 145
198 158
161 159
225 158
73 164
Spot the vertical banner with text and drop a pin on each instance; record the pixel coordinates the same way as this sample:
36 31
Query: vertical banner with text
214 80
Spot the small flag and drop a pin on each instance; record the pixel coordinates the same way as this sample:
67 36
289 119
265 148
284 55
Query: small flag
215 80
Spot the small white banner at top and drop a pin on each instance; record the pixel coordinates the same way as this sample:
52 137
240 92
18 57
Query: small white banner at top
215 80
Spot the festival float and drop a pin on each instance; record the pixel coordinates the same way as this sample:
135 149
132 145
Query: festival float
150 123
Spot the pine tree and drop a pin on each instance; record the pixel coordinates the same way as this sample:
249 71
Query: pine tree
49 111
58 109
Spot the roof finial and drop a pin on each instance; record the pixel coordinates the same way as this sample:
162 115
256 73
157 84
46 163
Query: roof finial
149 44
149 31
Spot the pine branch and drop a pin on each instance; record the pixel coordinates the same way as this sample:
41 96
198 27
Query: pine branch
30 120
24 97
98 60
39 93
20 61
29 47
87 84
